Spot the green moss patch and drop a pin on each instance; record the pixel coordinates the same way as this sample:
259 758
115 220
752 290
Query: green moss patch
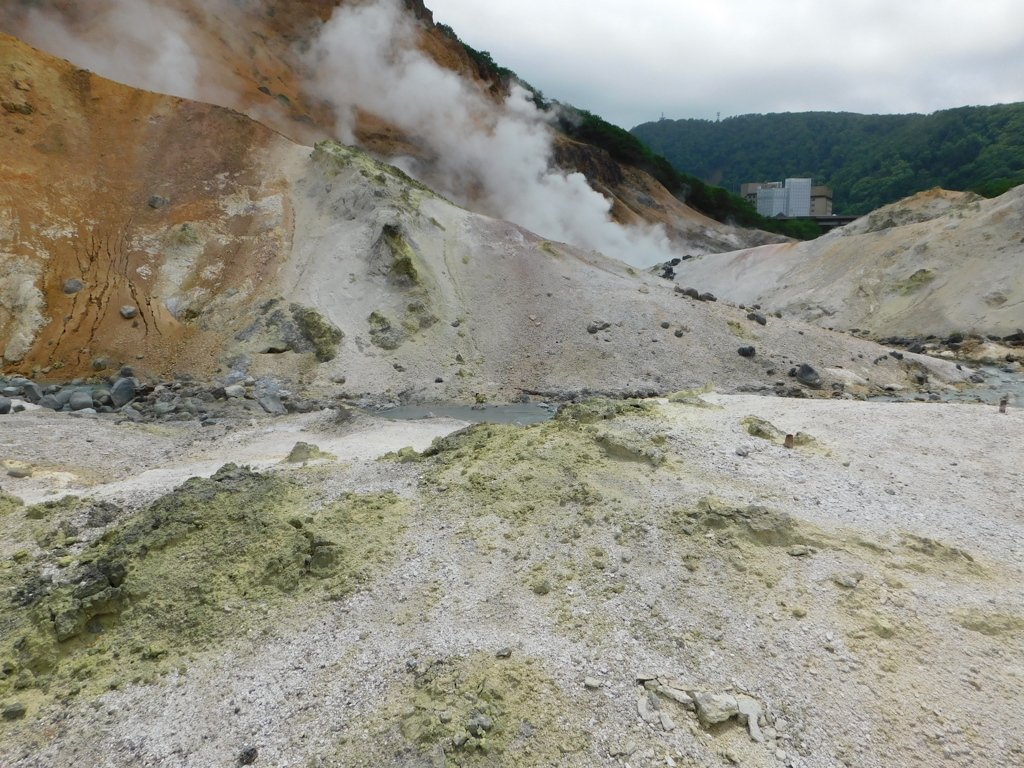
205 562
481 710
991 624
385 333
321 334
9 504
915 282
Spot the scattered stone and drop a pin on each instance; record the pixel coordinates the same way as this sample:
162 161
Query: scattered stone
303 452
157 202
129 313
122 393
707 297
680 333
747 351
19 473
623 749
49 401
597 325
248 756
757 317
235 390
666 325
15 711
32 391
715 707
592 683
749 714
847 580
5 405
807 376
100 364
79 401
480 725
648 708
504 653
73 285
272 405
799 550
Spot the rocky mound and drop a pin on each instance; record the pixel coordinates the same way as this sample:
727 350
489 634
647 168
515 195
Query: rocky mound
939 263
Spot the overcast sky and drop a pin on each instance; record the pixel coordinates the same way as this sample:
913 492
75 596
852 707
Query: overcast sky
631 61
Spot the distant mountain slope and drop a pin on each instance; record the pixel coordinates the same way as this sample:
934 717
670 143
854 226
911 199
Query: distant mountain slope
936 263
868 160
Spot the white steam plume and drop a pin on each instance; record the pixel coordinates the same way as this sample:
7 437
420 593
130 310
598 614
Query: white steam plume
135 42
366 58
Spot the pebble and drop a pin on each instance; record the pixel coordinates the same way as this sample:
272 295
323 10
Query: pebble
592 683
5 405
129 312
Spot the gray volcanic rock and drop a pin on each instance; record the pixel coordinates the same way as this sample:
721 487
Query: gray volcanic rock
123 392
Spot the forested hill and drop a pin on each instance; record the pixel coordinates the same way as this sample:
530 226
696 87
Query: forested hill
868 160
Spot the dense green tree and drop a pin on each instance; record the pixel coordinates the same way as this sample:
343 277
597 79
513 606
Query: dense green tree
868 160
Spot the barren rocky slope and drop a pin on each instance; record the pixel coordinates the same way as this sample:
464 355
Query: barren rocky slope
936 263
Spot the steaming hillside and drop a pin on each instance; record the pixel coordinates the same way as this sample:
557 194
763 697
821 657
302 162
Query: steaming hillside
381 75
936 263
169 235
210 557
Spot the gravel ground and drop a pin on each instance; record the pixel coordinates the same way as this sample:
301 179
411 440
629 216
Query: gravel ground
871 648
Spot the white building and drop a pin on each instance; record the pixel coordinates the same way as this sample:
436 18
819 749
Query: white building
794 197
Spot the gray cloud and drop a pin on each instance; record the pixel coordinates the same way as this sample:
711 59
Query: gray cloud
629 62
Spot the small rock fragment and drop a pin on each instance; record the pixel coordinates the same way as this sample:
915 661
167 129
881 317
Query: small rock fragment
715 707
129 312
747 351
592 683
248 756
73 285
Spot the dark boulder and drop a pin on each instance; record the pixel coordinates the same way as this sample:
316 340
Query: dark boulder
809 377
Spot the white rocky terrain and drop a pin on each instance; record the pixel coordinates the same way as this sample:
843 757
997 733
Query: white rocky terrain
936 263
